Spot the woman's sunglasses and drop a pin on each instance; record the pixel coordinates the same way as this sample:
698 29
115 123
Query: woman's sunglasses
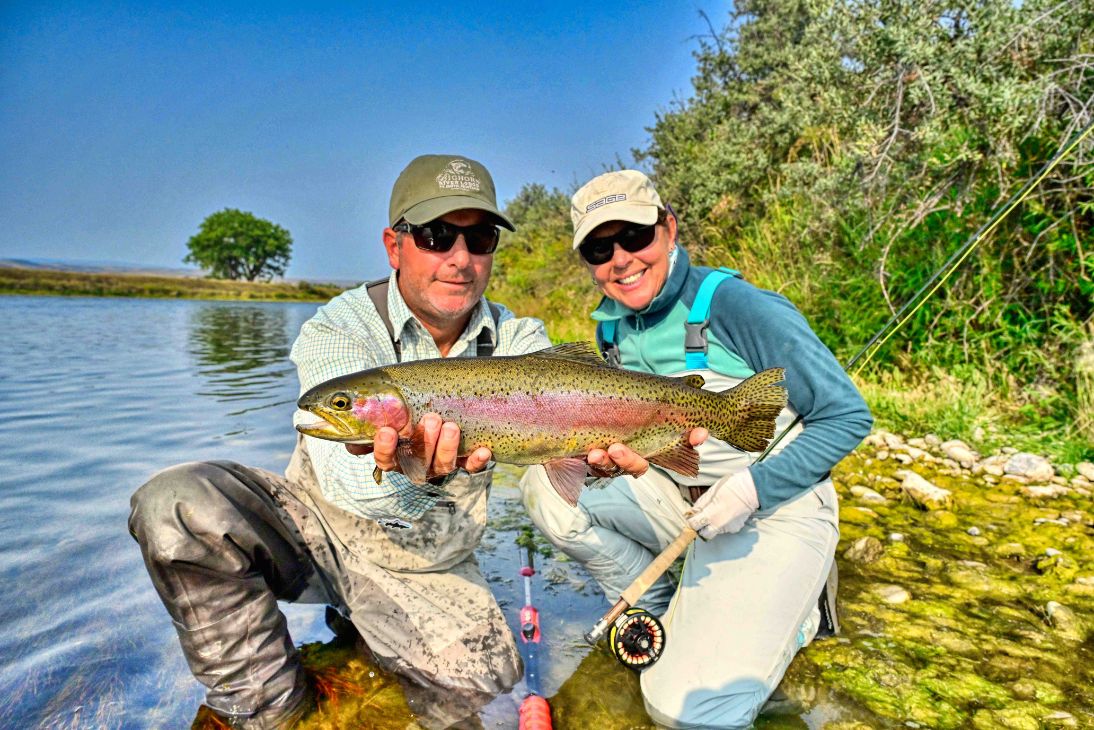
438 236
632 239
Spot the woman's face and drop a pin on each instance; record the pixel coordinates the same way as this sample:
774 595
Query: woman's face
634 279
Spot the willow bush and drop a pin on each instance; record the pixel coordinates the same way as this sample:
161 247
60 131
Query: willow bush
843 150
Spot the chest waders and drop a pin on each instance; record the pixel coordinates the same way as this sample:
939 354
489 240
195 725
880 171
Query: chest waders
637 637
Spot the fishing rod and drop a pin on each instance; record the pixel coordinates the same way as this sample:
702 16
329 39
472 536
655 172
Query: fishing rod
637 637
535 712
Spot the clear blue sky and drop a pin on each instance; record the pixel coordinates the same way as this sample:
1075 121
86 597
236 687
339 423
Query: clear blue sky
123 125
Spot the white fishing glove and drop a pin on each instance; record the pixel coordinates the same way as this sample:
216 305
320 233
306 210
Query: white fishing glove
726 506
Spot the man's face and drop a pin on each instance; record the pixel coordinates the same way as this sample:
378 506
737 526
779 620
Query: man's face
441 288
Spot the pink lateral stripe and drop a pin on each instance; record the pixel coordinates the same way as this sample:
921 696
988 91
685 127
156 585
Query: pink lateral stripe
568 411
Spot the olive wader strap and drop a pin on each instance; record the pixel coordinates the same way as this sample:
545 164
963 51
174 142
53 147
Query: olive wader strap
377 292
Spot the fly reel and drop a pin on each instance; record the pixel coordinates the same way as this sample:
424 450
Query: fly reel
637 638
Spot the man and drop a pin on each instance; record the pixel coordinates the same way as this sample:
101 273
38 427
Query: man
224 542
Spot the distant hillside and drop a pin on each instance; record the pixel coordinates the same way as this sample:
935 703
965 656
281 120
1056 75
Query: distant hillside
97 267
122 267
112 282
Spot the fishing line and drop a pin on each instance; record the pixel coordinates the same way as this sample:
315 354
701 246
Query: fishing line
940 276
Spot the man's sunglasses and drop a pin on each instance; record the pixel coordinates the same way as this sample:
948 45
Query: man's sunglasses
631 239
439 236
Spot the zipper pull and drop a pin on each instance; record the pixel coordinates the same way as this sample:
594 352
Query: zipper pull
450 505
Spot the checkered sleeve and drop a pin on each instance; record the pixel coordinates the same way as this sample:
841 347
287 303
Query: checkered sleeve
346 336
519 335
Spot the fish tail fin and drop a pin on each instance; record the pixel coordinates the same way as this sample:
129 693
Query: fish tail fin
746 418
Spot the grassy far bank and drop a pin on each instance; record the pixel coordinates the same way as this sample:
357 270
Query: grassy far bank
74 283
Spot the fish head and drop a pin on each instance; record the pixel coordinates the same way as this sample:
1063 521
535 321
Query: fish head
353 407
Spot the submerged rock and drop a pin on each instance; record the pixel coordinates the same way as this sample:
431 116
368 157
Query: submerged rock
1067 624
1049 491
1038 691
1010 550
1010 718
858 515
942 519
868 495
892 594
1032 467
865 550
922 492
1056 565
1059 718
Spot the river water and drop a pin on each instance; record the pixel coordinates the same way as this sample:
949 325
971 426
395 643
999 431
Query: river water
97 395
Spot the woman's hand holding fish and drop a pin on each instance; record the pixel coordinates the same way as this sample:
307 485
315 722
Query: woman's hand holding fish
619 457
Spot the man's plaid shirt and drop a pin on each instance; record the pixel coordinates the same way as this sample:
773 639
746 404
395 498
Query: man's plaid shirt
347 335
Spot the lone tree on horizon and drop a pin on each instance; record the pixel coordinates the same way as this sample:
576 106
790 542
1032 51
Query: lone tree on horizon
235 244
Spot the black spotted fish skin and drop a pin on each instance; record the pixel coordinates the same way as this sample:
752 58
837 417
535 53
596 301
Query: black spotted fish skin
563 402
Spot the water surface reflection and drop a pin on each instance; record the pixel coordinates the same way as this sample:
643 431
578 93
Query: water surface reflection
241 351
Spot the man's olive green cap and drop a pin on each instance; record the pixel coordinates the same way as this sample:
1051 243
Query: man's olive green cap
433 185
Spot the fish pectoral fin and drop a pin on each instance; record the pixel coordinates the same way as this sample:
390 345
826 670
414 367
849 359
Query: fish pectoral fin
409 456
577 351
567 476
682 458
695 380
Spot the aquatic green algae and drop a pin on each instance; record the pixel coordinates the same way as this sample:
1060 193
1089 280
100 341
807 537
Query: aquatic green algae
351 692
973 644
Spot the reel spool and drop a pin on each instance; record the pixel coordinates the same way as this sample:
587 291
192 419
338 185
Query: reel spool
637 639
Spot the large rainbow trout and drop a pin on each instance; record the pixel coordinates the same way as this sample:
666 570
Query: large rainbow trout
549 407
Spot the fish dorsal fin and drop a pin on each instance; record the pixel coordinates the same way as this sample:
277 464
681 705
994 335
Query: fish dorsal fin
694 380
681 457
578 351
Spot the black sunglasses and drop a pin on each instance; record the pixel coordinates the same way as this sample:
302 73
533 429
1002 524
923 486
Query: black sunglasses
631 239
439 236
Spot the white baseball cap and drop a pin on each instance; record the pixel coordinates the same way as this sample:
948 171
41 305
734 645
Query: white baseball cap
623 195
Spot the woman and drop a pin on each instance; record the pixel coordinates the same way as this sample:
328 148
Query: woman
750 593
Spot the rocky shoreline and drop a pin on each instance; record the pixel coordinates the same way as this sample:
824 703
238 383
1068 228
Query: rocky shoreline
967 591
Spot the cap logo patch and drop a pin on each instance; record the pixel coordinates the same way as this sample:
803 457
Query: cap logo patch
619 197
459 175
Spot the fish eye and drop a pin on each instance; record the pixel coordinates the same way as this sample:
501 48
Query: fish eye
339 402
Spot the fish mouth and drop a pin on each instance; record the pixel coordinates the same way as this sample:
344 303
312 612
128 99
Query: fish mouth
332 429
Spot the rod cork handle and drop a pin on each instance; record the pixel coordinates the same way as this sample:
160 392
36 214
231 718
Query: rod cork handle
642 583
